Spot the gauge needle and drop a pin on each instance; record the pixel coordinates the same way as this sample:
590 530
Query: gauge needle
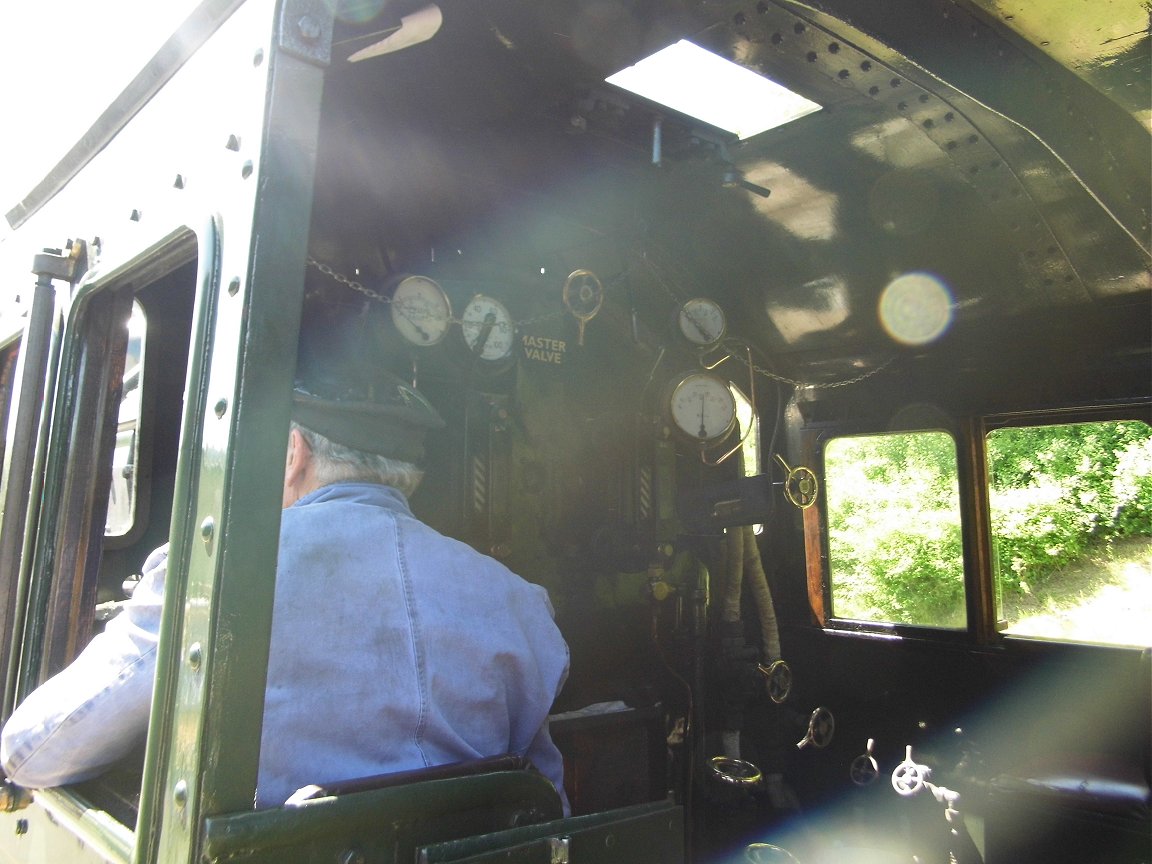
423 333
485 332
703 429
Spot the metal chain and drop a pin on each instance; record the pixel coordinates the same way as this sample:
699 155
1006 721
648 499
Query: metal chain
824 385
360 288
663 282
350 283
416 314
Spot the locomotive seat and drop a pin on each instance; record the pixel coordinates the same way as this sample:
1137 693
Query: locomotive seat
387 817
1095 801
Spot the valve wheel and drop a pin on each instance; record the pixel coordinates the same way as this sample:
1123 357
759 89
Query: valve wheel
864 770
778 679
908 778
801 488
734 772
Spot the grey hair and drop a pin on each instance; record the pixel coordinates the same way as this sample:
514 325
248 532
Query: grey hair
335 463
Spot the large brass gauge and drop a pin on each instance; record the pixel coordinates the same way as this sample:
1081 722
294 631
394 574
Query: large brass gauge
488 328
703 408
702 321
420 310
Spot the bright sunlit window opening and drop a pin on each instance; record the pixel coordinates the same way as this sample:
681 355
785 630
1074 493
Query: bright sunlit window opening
696 82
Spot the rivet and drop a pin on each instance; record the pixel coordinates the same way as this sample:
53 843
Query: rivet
195 655
811 56
776 39
234 286
179 182
834 48
866 66
895 82
873 91
220 408
798 28
207 529
21 827
136 215
843 74
180 793
246 170
739 20
258 57
233 143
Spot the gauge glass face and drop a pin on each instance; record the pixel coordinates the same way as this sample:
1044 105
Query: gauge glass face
702 321
703 407
420 310
488 328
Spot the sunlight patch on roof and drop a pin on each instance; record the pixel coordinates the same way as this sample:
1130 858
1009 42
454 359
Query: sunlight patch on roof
696 82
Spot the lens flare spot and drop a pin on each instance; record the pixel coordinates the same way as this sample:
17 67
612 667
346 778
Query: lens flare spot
358 11
916 308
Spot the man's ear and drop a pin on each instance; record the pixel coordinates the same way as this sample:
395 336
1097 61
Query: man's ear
299 458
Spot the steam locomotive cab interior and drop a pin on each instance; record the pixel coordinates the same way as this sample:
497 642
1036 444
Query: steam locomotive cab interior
663 347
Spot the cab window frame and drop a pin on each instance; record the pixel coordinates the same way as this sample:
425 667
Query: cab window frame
974 478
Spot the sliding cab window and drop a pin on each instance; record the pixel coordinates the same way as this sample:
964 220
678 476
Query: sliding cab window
1071 508
894 541
110 473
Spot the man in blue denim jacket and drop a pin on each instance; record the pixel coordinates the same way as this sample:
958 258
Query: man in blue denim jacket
393 647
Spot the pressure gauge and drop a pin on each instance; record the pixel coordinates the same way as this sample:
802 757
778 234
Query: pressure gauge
488 328
703 408
702 321
420 310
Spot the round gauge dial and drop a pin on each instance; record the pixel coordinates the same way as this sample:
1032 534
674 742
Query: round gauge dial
702 321
703 408
420 310
488 328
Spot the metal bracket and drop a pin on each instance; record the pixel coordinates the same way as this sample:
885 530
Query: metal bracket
558 847
58 264
305 31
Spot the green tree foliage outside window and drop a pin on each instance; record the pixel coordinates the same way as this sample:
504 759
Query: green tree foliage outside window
1071 513
1071 509
895 552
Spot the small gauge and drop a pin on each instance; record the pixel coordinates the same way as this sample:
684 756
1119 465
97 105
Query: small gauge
488 328
420 310
583 296
703 407
702 321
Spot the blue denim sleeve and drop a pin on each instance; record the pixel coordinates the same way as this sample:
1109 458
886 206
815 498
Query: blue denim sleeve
94 712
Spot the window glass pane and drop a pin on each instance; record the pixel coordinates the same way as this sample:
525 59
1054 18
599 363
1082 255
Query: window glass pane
122 494
749 425
895 553
1072 530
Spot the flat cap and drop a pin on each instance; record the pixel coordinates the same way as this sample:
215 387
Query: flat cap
383 415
